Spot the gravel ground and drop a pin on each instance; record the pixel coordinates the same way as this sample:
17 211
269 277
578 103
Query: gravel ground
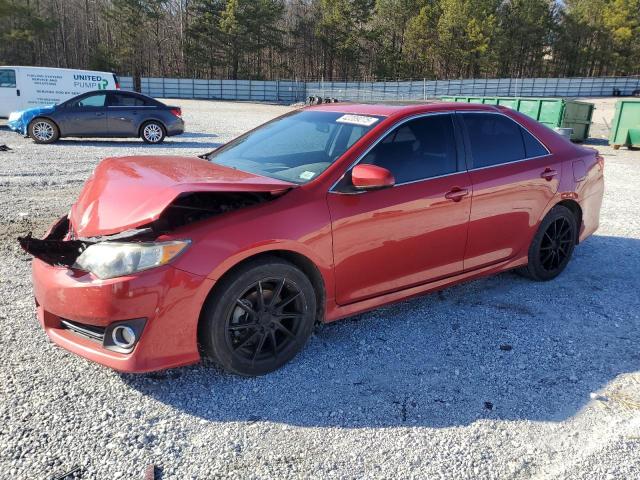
497 378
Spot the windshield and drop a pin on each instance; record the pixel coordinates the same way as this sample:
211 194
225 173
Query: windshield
296 148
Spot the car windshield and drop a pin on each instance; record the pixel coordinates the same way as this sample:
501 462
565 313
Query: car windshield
297 147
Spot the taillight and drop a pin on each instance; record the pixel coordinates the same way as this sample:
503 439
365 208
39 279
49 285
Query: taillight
117 85
177 112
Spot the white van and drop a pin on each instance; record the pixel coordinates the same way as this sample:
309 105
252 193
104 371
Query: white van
26 87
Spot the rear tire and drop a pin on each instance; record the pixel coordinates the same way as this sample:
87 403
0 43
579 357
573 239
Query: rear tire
43 130
259 317
152 132
552 245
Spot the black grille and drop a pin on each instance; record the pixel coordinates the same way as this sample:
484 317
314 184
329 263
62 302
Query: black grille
90 331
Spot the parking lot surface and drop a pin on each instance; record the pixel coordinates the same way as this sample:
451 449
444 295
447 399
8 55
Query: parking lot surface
497 378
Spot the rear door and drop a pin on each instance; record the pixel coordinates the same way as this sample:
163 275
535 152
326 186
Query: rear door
9 94
124 114
514 177
85 116
411 233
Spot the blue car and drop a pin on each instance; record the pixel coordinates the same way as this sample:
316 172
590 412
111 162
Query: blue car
101 113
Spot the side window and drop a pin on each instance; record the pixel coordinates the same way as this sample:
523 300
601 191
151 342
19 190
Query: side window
91 101
532 146
417 150
120 100
7 78
494 139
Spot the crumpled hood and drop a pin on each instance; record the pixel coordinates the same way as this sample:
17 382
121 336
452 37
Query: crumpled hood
19 121
129 192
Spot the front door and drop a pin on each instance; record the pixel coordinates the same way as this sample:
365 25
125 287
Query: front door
413 232
84 117
514 177
9 94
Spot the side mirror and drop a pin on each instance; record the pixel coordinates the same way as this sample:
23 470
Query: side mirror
371 177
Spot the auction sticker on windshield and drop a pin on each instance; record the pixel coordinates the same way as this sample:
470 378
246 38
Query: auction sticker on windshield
357 120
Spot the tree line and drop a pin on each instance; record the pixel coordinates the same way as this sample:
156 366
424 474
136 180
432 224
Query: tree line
330 39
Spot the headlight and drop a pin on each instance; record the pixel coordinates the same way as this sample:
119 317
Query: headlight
115 259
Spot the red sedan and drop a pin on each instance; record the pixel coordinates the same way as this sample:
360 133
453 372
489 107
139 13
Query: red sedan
317 215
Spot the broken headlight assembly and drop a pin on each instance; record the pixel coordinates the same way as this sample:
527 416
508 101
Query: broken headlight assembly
115 259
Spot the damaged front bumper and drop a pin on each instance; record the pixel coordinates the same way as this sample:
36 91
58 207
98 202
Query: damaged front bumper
78 311
19 121
59 248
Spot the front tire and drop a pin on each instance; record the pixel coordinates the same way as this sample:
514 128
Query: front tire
152 132
43 130
552 246
259 317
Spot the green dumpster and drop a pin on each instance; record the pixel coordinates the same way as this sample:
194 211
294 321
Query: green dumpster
508 102
625 128
553 112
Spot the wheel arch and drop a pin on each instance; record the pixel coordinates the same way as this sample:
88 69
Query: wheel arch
304 263
45 117
153 119
576 209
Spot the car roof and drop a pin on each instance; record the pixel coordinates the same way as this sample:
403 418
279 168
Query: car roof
388 109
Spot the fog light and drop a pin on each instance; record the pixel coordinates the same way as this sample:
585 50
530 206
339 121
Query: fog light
123 336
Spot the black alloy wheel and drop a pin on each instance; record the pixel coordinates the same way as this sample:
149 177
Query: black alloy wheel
266 319
556 244
553 245
258 317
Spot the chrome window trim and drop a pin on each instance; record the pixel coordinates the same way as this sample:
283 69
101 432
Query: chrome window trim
510 163
382 137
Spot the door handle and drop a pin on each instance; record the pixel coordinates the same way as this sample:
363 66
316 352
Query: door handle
456 194
99 114
18 92
548 174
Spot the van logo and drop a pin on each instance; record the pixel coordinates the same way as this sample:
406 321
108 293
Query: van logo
90 81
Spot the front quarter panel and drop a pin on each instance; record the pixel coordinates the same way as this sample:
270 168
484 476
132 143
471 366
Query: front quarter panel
294 223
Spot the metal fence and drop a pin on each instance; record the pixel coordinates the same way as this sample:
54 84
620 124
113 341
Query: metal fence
289 91
499 87
278 91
